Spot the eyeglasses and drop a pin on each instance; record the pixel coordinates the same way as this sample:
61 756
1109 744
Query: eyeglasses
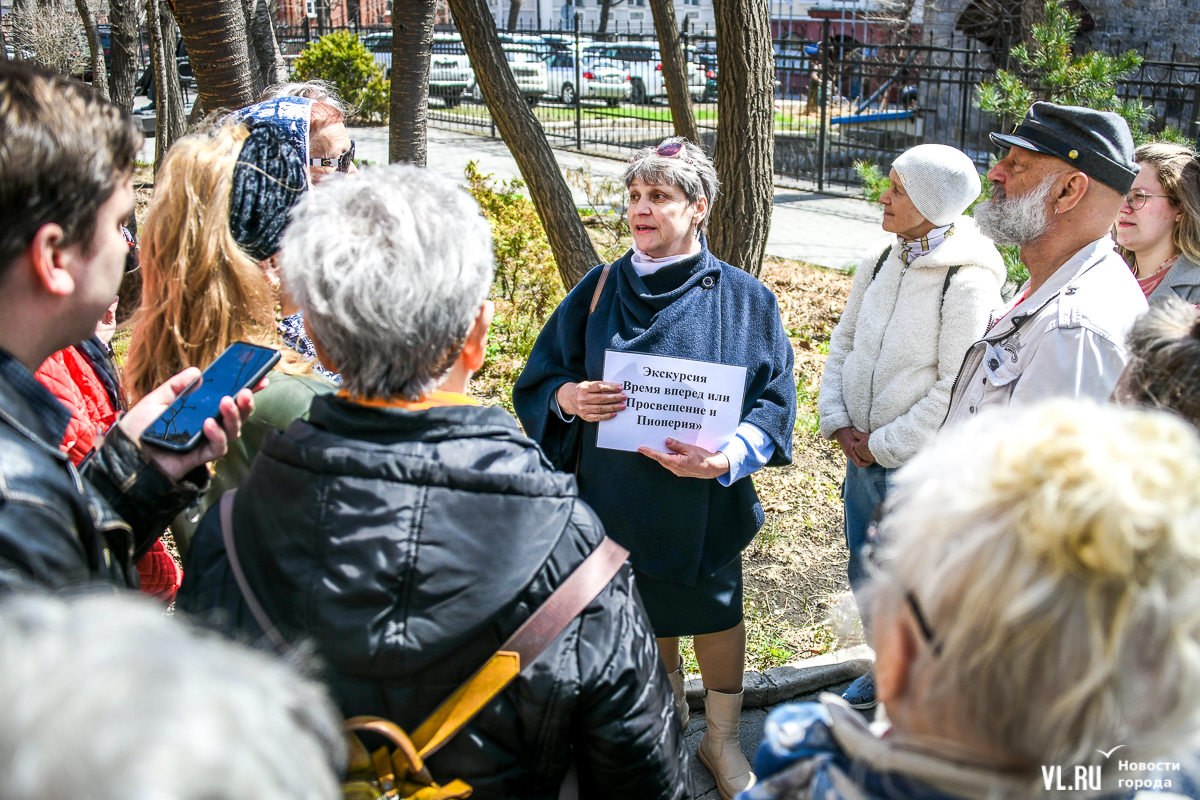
342 162
672 149
1137 200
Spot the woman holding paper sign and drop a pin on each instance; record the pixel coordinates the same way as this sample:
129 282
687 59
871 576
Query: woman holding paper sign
685 513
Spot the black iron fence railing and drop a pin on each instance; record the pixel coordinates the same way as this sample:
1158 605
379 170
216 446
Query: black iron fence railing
834 106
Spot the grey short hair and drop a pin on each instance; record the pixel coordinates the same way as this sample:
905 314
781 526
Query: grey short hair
1164 362
316 90
104 697
1053 553
690 169
390 267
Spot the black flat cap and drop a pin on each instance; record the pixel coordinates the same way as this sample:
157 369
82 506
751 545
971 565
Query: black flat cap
1097 143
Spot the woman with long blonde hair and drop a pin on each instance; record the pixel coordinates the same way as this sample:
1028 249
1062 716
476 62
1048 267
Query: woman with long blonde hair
220 206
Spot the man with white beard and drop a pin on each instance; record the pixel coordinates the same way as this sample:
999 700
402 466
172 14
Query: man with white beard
1056 194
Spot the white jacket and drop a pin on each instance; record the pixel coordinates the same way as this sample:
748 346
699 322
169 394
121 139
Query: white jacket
895 352
1067 339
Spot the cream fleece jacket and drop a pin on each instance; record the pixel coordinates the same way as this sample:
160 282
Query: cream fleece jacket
896 351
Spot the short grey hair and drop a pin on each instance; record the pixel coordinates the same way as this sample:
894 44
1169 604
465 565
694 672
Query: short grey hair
105 697
390 267
316 90
689 169
1053 553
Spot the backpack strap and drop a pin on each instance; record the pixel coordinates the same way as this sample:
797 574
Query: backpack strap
950 273
879 264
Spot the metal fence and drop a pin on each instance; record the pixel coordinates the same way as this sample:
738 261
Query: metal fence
836 103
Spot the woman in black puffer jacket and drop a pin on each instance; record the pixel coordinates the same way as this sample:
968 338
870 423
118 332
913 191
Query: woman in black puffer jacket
407 531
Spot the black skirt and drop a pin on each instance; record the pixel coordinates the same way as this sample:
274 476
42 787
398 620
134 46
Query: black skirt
713 605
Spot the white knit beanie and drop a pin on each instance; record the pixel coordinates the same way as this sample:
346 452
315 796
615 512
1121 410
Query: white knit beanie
941 180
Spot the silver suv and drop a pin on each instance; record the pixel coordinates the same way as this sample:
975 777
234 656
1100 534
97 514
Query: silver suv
644 64
598 79
449 75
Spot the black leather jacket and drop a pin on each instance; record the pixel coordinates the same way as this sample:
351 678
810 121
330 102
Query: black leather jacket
408 546
61 526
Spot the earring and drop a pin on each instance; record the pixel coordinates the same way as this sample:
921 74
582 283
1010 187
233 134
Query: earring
1056 211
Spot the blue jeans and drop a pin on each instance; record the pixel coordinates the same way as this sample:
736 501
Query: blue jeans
863 491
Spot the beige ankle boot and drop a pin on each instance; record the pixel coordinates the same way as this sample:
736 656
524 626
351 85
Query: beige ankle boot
678 687
719 749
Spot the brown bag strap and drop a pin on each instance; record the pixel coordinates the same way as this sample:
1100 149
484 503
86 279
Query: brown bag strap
599 288
235 565
526 643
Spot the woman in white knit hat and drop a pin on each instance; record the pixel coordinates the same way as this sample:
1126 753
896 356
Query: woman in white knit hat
920 298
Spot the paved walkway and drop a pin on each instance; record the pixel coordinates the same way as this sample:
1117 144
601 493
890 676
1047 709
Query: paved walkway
821 229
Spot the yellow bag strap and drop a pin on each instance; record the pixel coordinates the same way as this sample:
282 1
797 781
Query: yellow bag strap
543 626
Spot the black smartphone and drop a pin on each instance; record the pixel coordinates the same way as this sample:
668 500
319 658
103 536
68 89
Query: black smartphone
181 426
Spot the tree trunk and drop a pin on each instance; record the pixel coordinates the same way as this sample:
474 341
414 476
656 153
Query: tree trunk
514 14
745 151
168 99
263 44
1033 12
412 51
99 70
218 45
3 51
573 249
602 28
674 70
123 16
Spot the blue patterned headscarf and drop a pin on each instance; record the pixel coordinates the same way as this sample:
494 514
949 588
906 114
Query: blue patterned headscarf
268 180
292 114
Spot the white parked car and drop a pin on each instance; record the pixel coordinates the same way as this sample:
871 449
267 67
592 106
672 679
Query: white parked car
644 64
598 79
529 70
449 75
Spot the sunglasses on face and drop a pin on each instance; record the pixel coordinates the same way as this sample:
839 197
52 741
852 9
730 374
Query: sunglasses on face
342 162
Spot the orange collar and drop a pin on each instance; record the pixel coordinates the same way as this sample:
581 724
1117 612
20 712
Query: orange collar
431 400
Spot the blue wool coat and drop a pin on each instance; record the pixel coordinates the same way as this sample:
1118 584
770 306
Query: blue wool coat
676 529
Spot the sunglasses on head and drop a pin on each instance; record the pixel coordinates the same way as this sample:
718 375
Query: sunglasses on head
342 162
671 150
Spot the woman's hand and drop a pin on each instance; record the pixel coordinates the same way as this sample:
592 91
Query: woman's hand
848 439
689 461
594 401
217 436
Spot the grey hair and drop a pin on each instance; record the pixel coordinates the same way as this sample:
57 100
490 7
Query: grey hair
1016 220
103 697
690 169
1164 364
1053 553
390 268
316 90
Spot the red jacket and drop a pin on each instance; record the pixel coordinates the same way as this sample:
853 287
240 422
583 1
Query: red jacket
70 377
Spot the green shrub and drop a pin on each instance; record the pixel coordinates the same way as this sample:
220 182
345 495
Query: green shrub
874 182
342 59
526 288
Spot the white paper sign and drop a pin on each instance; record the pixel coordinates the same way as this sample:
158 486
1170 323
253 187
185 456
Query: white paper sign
695 402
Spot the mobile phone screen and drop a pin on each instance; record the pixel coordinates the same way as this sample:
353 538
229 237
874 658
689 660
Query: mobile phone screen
239 367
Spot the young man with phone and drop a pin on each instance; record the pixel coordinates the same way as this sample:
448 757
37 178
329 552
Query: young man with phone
66 167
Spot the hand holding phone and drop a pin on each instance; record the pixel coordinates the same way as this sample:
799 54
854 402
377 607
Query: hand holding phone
180 427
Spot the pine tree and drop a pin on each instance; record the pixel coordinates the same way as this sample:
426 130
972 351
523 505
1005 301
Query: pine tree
1051 71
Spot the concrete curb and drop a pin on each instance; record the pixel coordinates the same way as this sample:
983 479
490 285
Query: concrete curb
763 689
